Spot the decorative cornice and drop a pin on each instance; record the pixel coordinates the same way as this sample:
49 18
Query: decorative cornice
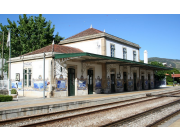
99 35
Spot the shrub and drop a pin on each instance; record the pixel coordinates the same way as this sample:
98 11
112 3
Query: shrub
13 91
170 83
4 98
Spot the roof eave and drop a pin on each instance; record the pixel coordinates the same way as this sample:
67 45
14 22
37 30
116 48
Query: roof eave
99 35
109 58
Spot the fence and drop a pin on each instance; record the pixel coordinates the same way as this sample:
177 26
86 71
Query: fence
3 84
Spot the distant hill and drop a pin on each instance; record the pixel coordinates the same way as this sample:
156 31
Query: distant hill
175 63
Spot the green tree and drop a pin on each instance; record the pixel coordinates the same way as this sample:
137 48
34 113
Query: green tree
31 33
160 74
169 78
57 38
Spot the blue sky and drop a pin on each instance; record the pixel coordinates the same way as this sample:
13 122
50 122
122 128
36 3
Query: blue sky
159 34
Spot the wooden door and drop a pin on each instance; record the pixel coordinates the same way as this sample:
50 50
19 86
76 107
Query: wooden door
112 83
142 78
90 82
125 81
71 82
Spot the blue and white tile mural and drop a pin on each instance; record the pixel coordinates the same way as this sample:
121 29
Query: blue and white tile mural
39 84
119 84
130 83
98 83
146 82
61 83
36 84
108 82
82 83
152 84
16 85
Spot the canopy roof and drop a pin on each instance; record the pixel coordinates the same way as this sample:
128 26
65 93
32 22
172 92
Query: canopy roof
95 58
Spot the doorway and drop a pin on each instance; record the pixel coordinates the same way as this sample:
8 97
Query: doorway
71 82
135 87
90 82
112 83
125 81
142 78
149 81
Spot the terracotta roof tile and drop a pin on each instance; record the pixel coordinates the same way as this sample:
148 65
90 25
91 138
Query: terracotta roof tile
175 75
92 31
57 48
89 31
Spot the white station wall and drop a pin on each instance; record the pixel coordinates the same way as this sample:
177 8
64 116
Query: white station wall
98 69
16 68
91 46
36 67
119 50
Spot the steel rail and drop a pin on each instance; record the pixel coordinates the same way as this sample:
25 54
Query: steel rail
74 116
139 115
4 122
162 120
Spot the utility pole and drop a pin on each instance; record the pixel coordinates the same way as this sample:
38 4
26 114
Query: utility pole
44 76
9 45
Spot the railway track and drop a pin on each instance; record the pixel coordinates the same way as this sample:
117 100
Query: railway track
43 119
145 113
164 119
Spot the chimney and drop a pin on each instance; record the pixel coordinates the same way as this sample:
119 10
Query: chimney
91 26
145 57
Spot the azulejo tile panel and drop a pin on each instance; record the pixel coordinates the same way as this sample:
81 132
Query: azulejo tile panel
119 83
108 82
36 84
98 81
82 83
61 83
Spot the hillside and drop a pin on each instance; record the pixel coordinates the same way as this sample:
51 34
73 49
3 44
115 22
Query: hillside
174 62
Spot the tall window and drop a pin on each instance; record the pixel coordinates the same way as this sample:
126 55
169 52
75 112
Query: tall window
27 77
124 53
112 50
134 55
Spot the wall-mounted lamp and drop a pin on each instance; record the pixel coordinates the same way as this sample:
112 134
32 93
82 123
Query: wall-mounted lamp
118 75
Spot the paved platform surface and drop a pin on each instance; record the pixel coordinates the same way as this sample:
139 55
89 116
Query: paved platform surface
24 102
173 122
176 123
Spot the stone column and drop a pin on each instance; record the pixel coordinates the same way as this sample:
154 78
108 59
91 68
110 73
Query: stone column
121 72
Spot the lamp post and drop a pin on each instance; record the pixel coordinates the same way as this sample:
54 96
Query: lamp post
2 55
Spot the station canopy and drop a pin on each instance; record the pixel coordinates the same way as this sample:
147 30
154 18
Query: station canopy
100 59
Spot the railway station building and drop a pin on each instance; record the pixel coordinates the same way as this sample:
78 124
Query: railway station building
90 62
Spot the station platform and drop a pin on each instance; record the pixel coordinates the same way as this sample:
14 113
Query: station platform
32 106
176 123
